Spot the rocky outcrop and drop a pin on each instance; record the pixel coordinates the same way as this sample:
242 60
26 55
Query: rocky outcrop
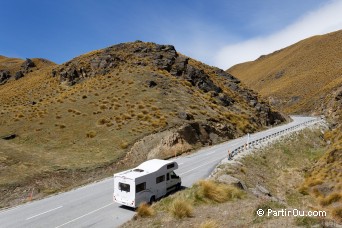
332 107
162 57
25 68
165 59
27 65
228 179
179 140
4 76
9 136
19 75
185 116
226 75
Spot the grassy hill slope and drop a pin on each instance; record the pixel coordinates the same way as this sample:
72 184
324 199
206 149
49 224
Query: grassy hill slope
297 78
113 108
307 78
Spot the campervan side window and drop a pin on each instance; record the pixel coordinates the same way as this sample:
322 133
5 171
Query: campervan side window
170 166
160 179
140 187
124 187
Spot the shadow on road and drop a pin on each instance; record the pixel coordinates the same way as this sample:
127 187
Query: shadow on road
127 208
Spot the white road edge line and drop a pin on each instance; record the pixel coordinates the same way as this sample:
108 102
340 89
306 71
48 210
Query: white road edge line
200 166
44 212
84 215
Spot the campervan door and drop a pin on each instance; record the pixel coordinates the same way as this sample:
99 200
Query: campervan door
142 191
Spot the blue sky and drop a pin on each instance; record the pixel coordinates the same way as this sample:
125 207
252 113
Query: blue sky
217 32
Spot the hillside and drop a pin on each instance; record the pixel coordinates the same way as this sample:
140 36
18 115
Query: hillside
66 125
14 68
298 78
307 78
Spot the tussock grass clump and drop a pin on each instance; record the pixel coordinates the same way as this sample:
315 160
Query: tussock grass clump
334 197
337 213
109 124
217 192
61 126
123 145
103 121
103 106
91 134
145 210
126 116
20 115
181 208
209 224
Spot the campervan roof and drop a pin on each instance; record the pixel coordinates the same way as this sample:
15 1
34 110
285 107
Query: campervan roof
149 166
153 165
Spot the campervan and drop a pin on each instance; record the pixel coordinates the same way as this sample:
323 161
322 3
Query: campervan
149 181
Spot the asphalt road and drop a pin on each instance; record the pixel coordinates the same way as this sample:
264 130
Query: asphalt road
92 205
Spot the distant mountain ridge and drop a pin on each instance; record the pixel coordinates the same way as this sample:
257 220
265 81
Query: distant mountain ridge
299 78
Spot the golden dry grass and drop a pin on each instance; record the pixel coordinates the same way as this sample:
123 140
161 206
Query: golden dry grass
337 213
217 192
209 224
307 70
181 208
324 181
331 198
145 210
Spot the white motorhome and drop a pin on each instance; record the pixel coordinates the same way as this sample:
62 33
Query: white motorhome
146 183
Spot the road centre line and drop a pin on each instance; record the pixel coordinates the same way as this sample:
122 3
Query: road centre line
89 213
44 212
211 152
200 166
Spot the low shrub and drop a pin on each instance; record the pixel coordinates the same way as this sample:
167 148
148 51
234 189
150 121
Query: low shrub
103 121
334 197
145 210
91 134
181 208
217 192
124 145
337 213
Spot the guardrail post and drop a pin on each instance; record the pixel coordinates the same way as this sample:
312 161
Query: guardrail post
229 155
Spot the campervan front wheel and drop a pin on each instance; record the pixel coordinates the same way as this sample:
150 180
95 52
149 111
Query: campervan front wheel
178 187
153 199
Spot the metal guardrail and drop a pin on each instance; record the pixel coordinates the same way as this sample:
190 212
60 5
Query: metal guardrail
260 140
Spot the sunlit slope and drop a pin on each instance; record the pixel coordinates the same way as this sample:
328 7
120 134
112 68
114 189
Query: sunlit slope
299 77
